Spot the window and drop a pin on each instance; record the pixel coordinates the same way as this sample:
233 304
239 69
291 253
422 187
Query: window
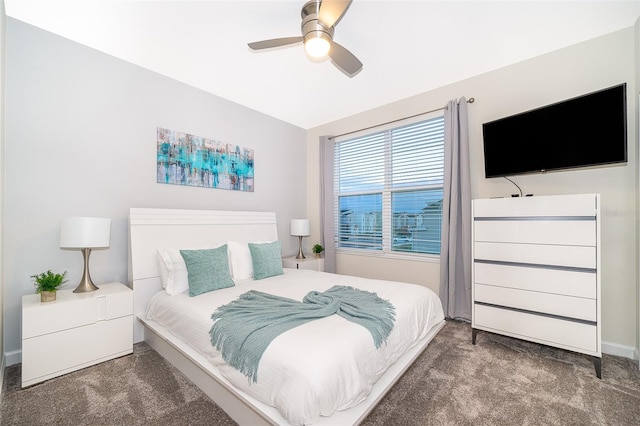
388 189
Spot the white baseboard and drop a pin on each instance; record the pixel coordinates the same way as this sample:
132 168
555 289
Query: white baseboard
620 350
13 357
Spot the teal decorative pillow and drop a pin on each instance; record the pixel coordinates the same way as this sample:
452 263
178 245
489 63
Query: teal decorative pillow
266 259
207 270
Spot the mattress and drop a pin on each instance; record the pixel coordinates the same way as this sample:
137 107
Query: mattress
316 369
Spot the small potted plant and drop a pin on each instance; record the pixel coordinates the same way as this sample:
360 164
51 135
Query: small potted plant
317 249
47 284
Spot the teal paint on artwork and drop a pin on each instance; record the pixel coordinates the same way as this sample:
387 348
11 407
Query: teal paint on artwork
185 159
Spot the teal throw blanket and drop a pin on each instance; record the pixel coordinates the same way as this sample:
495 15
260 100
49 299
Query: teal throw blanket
244 328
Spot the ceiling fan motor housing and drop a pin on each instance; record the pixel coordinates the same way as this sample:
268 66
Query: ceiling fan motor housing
311 27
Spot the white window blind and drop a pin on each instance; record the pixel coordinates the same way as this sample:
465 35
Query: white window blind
388 188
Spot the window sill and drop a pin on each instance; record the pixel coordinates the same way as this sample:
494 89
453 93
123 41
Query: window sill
428 258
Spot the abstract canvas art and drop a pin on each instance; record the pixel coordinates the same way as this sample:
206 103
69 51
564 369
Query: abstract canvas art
185 159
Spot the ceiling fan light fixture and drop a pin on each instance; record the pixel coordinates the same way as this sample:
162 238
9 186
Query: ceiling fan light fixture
317 45
319 18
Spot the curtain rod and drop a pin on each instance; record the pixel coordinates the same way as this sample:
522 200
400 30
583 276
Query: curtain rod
470 101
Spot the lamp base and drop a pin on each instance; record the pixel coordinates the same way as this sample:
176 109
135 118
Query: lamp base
86 283
300 254
85 286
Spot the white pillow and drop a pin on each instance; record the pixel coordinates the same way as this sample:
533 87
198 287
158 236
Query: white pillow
162 268
240 262
177 277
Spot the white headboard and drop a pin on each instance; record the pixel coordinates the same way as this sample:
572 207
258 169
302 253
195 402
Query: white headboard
151 229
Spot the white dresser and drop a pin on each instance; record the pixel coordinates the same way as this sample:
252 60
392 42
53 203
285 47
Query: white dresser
75 331
536 270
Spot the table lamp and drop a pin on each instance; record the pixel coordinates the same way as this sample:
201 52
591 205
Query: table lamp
85 233
300 228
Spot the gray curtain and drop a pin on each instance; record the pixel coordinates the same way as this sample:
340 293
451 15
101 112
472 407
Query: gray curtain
455 253
326 203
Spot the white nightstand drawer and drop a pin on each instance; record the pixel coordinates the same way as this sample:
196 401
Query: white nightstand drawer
119 305
49 317
315 264
74 309
54 354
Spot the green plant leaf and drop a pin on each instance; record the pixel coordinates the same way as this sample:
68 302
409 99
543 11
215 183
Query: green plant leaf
48 281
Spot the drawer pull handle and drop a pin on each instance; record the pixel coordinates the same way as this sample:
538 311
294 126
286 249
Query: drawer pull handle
537 265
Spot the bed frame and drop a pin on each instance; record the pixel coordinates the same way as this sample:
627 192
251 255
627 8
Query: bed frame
152 229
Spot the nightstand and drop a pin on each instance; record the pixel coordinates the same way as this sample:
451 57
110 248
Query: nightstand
307 263
75 331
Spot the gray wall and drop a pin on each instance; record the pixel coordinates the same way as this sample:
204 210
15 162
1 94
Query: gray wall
2 90
81 141
637 102
565 73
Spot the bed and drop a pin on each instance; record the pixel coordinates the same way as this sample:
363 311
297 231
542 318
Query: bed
311 374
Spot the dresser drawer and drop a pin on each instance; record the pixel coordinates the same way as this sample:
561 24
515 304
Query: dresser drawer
566 256
569 335
554 205
555 281
555 232
553 304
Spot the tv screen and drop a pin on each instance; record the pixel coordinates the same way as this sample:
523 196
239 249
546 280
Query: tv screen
588 130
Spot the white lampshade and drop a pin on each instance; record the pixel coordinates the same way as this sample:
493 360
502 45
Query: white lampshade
300 227
85 232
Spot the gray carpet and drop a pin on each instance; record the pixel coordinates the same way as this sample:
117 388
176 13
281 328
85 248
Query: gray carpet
499 381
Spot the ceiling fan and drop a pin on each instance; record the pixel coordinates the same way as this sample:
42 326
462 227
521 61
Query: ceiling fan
319 18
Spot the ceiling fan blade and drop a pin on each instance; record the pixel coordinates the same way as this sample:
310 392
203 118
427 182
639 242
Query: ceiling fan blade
345 60
332 10
276 42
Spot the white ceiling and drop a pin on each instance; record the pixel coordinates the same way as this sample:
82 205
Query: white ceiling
407 47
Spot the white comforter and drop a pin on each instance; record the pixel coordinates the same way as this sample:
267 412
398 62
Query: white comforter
316 369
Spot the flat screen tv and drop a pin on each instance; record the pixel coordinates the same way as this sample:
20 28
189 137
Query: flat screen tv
588 130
